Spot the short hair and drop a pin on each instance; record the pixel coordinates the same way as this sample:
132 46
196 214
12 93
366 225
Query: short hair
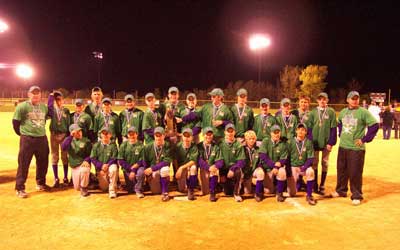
305 97
250 133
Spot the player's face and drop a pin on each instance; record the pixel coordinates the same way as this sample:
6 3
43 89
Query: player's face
354 102
79 108
105 137
285 108
97 96
129 104
275 135
230 134
159 139
150 101
304 104
264 108
191 102
107 107
35 96
132 136
187 139
78 134
250 141
322 102
216 99
209 137
173 96
59 101
242 99
301 133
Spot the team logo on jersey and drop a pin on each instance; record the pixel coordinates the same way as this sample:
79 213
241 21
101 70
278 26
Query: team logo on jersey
82 120
221 113
37 118
111 122
134 115
81 145
233 151
136 151
349 123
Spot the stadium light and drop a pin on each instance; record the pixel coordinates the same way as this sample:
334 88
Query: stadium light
258 43
3 26
24 71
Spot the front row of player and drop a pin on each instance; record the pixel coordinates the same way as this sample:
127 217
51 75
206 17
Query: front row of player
273 167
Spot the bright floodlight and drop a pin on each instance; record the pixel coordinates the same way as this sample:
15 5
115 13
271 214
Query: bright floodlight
258 42
24 71
3 26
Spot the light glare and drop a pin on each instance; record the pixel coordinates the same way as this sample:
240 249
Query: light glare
24 71
3 26
258 42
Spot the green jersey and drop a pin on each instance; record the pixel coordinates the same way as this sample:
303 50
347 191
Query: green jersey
321 121
262 126
287 124
151 119
153 155
177 109
110 121
32 118
210 153
83 120
243 118
131 153
302 117
209 112
231 153
195 123
104 152
184 155
276 151
60 120
300 151
354 122
78 151
252 160
93 110
129 118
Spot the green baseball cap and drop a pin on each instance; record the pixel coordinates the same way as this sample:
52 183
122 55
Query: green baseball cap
193 95
216 91
229 125
149 95
132 129
57 94
301 125
78 102
173 89
106 100
265 101
105 129
322 94
96 89
207 129
74 127
241 91
129 96
159 130
187 130
352 94
33 88
275 128
285 100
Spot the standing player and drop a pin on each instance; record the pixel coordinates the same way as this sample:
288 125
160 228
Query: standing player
263 121
234 157
210 161
82 119
104 158
78 148
172 110
322 126
94 108
216 114
190 118
107 118
29 122
187 156
131 117
130 158
286 121
302 112
243 116
151 118
59 125
252 162
273 154
301 153
157 158
350 163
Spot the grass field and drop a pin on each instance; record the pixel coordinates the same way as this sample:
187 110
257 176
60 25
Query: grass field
63 220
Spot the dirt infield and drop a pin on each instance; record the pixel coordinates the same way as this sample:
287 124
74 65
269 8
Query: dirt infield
63 220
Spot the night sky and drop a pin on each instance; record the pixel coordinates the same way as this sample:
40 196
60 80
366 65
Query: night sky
149 44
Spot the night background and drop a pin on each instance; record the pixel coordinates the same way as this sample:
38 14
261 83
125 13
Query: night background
150 44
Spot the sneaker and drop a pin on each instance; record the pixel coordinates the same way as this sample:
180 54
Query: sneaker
258 197
65 181
335 194
238 198
356 202
321 190
140 195
280 197
191 196
213 197
112 194
311 200
165 197
84 192
56 183
43 187
22 194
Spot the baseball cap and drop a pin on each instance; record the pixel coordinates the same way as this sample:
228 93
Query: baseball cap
323 94
33 88
78 102
132 129
285 100
187 130
74 127
265 101
149 95
96 89
352 94
159 130
57 94
229 125
216 91
191 95
207 129
301 125
127 97
275 128
173 89
106 100
105 129
241 91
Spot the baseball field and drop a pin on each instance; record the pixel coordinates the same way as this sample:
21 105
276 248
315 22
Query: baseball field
61 219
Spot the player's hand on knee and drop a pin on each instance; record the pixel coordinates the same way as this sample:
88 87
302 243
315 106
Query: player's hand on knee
230 174
329 148
178 173
132 176
274 171
85 164
278 164
105 167
148 171
213 169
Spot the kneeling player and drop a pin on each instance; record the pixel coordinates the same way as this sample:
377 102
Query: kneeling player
104 158
301 158
274 154
130 159
186 156
157 158
78 149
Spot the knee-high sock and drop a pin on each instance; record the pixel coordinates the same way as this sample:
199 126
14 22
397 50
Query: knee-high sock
323 178
316 179
55 171
280 185
310 185
298 184
65 171
259 187
213 183
192 182
164 184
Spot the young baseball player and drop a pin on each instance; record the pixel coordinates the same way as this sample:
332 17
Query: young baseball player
216 114
152 118
172 110
104 158
322 126
59 124
234 160
130 158
187 155
131 117
157 158
82 119
286 121
210 161
273 154
79 149
263 121
301 153
107 118
302 112
94 108
243 116
29 122
190 118
352 123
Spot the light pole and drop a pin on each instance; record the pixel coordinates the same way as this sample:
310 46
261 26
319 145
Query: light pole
99 58
258 43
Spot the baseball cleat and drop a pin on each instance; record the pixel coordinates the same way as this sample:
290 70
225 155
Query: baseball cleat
22 194
356 202
84 192
258 197
43 187
56 183
213 197
311 200
165 197
280 197
238 198
191 196
112 194
139 195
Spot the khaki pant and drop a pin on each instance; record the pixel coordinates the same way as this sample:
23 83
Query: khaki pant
55 147
325 160
80 177
108 181
154 179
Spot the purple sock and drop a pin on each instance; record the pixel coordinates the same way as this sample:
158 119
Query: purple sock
164 184
323 178
65 171
298 185
192 181
259 187
280 186
213 183
310 185
55 171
